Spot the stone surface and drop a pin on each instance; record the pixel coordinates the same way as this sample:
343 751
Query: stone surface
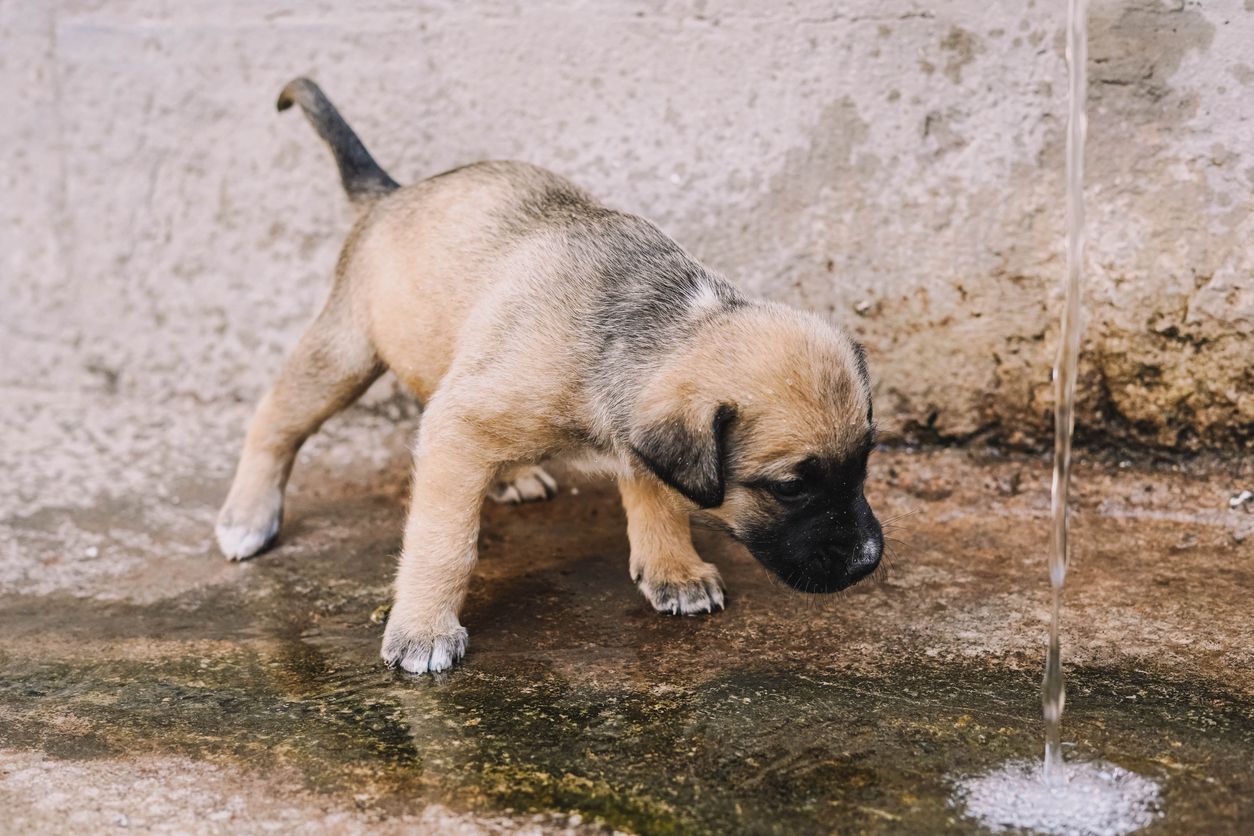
137 664
175 795
163 233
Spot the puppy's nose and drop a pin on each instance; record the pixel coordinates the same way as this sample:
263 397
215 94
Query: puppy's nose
865 558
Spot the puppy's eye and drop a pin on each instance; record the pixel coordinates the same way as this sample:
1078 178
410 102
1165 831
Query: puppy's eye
788 491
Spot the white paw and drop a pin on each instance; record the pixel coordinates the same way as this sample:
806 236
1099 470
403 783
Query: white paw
423 652
525 484
692 596
242 535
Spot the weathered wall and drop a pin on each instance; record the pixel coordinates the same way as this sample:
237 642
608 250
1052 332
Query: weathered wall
164 234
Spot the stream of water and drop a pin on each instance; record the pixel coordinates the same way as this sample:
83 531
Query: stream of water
1054 691
1053 796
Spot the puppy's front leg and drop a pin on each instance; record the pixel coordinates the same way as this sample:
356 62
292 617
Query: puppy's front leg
452 471
664 564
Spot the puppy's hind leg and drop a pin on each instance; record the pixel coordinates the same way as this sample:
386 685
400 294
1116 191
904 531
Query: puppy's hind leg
664 564
333 363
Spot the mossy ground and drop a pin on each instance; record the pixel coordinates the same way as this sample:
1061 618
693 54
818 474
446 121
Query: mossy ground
784 714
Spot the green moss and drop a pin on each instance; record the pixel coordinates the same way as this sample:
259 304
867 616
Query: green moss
779 748
757 751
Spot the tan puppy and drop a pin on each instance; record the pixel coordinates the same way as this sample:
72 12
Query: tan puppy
532 322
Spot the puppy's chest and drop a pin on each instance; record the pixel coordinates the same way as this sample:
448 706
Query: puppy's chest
593 462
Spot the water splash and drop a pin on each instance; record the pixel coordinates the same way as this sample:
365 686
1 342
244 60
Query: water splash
1088 799
1053 690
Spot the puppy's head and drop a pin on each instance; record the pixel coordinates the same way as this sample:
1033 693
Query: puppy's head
764 422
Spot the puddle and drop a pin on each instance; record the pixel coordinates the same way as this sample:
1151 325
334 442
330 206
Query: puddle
757 749
784 714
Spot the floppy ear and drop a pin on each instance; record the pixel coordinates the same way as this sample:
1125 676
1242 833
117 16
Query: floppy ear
688 454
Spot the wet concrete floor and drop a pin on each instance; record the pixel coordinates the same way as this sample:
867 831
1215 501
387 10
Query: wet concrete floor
579 709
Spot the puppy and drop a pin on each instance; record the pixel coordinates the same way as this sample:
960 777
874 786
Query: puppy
532 322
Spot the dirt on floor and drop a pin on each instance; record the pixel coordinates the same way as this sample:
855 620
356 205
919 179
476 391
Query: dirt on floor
147 683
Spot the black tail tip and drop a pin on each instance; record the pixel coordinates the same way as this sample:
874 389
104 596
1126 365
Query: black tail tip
292 92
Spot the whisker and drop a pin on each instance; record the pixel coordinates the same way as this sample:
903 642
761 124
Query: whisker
907 544
900 516
880 575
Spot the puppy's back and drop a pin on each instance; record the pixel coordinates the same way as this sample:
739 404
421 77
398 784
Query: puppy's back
421 259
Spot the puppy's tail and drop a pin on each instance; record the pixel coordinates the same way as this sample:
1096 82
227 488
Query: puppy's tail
364 180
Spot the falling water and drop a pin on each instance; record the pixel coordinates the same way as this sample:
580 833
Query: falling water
1054 692
1053 797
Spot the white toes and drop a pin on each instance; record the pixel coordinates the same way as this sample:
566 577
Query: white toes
714 590
424 654
505 494
531 489
416 660
547 481
530 484
693 598
249 525
688 597
238 542
441 658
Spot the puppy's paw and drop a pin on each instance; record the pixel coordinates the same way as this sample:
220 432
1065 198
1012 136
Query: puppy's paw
524 484
250 530
423 651
693 592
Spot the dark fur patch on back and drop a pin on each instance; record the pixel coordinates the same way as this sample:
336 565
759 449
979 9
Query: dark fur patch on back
650 284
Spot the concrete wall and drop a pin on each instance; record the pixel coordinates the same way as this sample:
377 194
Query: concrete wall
165 235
